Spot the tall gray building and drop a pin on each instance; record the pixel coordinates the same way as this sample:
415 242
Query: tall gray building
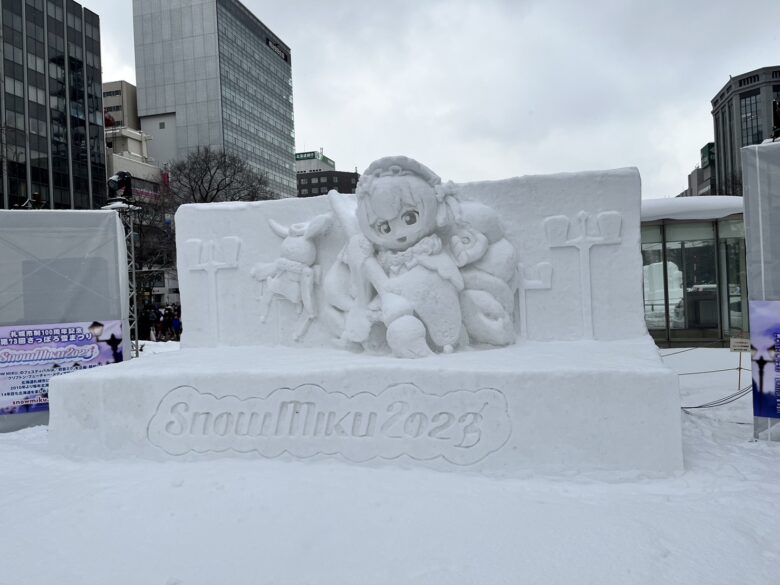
52 131
209 73
742 115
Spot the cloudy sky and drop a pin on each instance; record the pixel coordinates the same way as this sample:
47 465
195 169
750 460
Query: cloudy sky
491 89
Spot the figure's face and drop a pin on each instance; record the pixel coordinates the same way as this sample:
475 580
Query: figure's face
400 232
395 223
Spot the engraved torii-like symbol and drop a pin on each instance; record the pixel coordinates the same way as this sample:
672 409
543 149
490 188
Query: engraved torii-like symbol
605 232
212 256
538 277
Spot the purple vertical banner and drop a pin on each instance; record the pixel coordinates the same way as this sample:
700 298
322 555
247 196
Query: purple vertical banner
30 355
765 353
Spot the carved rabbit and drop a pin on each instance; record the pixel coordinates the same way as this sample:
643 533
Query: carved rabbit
294 274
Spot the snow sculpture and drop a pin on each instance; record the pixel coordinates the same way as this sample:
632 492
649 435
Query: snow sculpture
538 277
606 231
294 274
211 257
419 265
541 274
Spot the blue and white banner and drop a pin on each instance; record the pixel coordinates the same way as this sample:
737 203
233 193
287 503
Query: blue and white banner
765 355
30 355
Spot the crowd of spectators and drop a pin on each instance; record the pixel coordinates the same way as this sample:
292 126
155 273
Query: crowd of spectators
157 323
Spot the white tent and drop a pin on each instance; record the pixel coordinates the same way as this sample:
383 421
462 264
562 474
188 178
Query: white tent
61 267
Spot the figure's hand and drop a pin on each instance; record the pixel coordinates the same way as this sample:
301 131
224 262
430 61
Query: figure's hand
468 246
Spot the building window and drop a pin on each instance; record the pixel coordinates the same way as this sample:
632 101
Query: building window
304 181
748 80
304 191
162 125
750 114
681 286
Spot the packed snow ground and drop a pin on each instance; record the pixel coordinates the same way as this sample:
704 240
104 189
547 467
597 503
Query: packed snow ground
268 522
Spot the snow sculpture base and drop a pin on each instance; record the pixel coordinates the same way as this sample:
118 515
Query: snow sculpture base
532 407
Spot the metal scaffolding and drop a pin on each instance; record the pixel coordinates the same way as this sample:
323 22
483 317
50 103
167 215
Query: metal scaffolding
127 212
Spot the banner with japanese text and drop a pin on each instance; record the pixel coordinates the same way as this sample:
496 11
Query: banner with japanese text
765 350
30 355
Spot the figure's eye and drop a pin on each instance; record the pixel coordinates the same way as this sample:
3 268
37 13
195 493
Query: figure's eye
410 217
383 227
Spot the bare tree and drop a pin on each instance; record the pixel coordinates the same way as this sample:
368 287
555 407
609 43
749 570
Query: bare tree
155 241
156 237
205 175
208 175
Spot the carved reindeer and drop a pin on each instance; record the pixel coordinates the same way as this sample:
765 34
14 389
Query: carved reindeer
294 274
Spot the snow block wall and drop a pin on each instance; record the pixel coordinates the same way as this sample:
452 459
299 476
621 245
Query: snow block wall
577 237
522 298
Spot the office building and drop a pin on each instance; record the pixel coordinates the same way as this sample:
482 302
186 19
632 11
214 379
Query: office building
742 116
128 150
210 73
120 104
311 161
316 175
52 105
700 179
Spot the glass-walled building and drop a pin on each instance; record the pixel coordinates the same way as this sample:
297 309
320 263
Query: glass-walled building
210 73
693 255
52 134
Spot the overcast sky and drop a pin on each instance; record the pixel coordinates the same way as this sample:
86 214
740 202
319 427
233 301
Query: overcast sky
499 88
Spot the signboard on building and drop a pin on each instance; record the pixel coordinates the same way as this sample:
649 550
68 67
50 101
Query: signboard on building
276 48
707 155
314 155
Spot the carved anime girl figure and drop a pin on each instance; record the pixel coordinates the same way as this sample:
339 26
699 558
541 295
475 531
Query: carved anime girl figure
406 279
422 271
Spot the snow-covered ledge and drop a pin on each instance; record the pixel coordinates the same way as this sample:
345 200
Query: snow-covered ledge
495 327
